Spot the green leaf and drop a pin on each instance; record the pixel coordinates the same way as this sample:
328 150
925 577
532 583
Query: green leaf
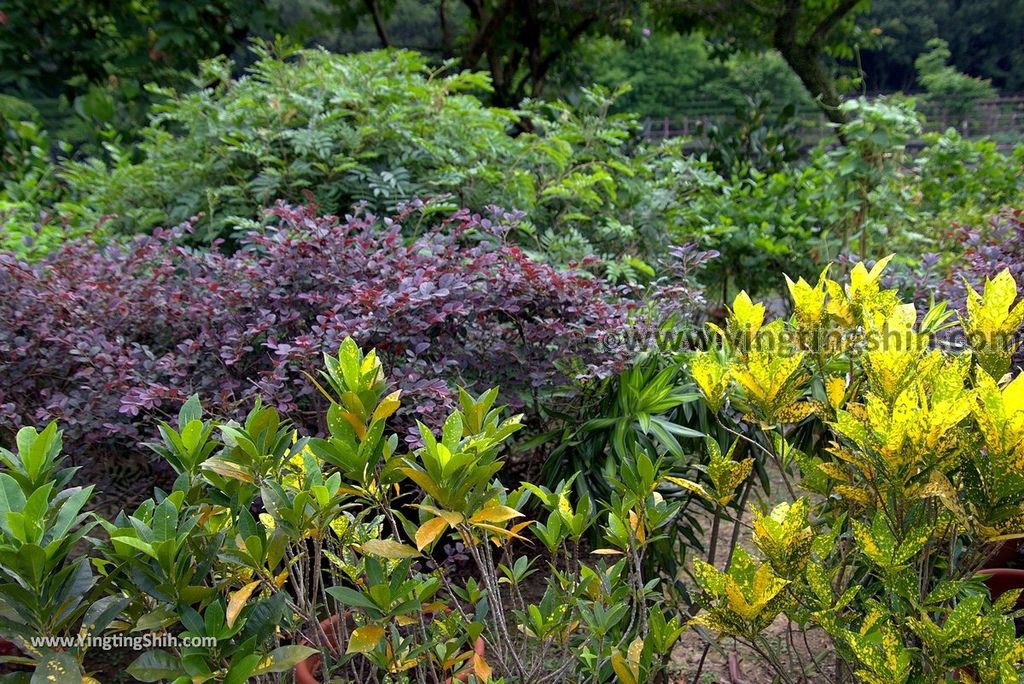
136 543
351 598
58 667
191 410
242 669
165 521
152 666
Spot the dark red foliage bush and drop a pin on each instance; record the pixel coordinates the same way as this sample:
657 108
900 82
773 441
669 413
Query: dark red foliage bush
980 253
107 340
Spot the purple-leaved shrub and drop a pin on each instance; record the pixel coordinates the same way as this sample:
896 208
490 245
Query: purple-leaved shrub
970 254
106 340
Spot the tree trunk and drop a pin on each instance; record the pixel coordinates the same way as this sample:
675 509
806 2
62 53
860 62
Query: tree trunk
813 73
378 22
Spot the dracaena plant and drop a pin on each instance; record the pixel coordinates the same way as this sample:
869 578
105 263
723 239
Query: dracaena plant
918 481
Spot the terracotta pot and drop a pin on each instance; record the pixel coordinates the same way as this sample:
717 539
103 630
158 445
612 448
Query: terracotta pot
306 672
1001 580
8 648
1009 556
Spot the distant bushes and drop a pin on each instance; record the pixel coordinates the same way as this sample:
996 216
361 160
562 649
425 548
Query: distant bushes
102 340
869 194
378 129
381 129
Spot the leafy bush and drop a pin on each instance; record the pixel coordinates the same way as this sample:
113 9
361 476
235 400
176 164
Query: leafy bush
863 197
378 128
968 258
964 181
918 481
345 525
955 90
49 591
677 75
102 338
29 185
85 65
755 138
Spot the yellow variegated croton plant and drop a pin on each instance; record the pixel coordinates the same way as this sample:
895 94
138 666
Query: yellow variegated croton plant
901 434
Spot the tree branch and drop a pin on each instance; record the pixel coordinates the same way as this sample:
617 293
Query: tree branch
828 23
378 22
487 29
541 70
785 27
446 32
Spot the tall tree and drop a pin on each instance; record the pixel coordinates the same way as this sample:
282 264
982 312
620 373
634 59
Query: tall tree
807 33
517 41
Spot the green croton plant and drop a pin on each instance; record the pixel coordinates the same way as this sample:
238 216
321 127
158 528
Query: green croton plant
907 433
267 534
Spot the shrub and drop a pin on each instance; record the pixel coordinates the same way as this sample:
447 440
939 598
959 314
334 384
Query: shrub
943 82
346 525
100 339
30 190
968 258
917 482
861 198
379 128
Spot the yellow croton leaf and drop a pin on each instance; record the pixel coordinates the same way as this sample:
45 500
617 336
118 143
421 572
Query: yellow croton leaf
1000 416
636 523
751 603
1000 412
835 390
860 495
993 321
862 280
771 380
364 639
623 669
355 422
939 486
896 354
783 535
747 316
238 600
690 485
281 578
387 406
808 301
711 376
496 513
795 413
389 548
724 473
481 668
354 404
838 307
500 534
855 458
429 531
865 294
834 471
